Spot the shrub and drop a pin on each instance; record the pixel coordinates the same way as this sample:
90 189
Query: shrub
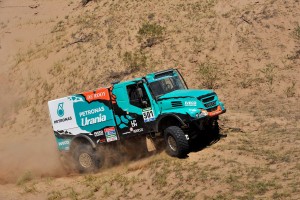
297 32
150 34
269 74
57 68
291 91
135 61
209 75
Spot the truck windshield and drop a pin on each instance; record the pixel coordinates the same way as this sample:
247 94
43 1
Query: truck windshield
166 85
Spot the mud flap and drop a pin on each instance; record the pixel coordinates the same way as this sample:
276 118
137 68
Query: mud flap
150 144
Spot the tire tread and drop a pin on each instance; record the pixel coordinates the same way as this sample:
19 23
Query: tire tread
182 142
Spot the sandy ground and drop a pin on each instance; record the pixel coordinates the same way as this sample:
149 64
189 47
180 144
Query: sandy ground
49 49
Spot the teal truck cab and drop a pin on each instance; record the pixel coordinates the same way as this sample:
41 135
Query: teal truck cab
159 105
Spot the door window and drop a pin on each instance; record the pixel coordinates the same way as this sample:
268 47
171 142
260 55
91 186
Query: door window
135 99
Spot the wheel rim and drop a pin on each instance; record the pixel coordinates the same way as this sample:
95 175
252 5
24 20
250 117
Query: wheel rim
172 143
85 160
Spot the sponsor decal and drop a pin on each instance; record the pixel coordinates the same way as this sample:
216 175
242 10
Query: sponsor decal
85 121
138 130
60 109
133 123
62 120
100 94
102 140
210 104
110 134
135 130
89 121
91 111
148 115
63 144
98 133
190 103
75 99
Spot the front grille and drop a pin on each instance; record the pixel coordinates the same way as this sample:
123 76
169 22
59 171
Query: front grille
176 103
208 99
210 104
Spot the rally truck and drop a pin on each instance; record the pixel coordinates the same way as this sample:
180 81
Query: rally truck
157 106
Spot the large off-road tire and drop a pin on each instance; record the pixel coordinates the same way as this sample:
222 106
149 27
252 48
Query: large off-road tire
86 159
177 144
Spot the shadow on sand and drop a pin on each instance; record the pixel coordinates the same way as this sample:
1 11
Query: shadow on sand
204 140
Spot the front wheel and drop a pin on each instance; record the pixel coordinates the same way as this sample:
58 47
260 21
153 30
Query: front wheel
86 159
177 144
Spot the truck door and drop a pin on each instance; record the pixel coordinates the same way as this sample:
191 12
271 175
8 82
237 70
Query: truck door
133 110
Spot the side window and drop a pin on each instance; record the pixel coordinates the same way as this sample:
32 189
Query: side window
134 98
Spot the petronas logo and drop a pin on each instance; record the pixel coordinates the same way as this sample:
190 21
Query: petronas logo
60 110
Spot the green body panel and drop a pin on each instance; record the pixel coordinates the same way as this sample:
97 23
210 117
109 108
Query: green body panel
101 117
188 102
122 99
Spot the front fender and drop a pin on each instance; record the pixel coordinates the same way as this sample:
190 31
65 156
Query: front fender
171 116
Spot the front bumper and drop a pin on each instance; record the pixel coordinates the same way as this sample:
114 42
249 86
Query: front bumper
216 112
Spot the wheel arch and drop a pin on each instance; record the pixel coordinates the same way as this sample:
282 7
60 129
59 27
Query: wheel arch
165 121
82 139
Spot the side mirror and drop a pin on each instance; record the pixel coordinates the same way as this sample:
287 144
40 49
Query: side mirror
140 92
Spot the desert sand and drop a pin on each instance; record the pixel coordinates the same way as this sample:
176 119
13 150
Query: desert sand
50 49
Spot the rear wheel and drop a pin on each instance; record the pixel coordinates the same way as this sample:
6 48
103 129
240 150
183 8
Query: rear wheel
86 159
177 144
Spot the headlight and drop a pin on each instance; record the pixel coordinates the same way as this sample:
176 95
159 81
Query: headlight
203 113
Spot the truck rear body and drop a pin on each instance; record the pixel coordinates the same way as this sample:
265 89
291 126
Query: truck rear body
89 113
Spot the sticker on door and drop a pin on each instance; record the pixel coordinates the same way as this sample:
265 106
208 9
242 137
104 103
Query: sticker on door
148 115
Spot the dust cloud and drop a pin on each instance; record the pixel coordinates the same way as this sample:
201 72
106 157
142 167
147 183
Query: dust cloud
37 155
22 151
19 152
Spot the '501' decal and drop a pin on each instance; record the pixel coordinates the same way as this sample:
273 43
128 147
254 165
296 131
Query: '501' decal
148 115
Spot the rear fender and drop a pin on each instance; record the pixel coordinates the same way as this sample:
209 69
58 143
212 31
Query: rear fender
82 139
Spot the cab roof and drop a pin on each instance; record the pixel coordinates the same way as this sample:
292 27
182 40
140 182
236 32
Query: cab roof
161 74
151 77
